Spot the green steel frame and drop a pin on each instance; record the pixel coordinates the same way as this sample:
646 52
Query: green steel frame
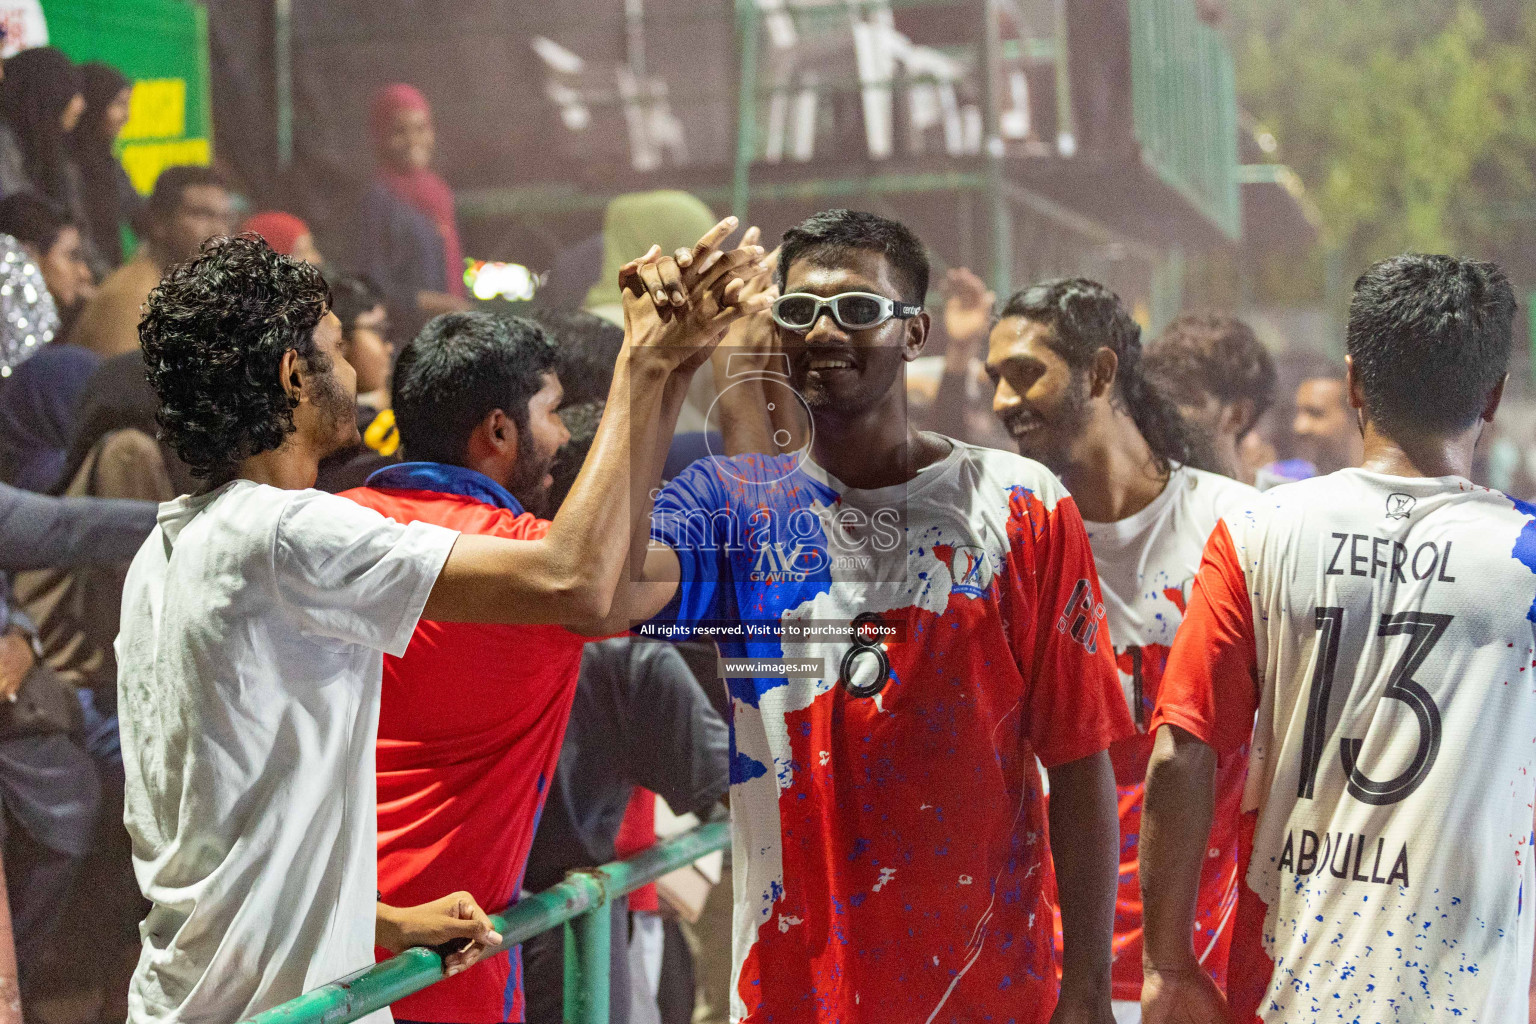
1184 110
580 904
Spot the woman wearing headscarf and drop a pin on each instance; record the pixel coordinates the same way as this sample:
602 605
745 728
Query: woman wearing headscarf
410 234
41 101
109 197
37 414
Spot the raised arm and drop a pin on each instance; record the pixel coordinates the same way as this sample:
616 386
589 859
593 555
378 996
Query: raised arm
673 316
653 571
967 318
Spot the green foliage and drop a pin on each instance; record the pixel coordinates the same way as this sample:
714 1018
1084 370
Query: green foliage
1411 122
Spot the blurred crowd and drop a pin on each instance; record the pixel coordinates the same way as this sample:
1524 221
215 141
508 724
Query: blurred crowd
81 464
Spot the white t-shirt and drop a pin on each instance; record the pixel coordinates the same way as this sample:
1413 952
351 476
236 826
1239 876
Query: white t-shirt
1381 629
1147 564
255 621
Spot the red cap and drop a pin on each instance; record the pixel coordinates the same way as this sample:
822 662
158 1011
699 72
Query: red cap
281 230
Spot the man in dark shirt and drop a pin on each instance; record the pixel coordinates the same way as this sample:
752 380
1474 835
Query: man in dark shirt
640 718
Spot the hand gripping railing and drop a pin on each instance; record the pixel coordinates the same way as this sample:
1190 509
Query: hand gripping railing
580 902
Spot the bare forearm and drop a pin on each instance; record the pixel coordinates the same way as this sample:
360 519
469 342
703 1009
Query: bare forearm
745 423
1175 831
649 463
647 479
593 522
1085 842
570 575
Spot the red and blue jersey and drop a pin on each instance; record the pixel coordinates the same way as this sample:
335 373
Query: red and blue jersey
890 851
471 721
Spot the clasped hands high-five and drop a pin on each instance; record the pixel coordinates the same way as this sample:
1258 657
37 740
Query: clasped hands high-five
678 307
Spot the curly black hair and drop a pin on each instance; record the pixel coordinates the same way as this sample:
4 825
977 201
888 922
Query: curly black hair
214 333
1086 316
1216 354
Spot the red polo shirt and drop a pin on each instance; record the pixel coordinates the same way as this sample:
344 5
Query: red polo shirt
470 726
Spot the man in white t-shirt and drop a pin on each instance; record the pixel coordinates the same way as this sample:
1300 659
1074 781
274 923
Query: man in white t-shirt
1371 631
1066 359
257 614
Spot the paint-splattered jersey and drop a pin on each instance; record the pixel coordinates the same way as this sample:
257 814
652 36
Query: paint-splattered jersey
1381 630
1146 564
890 850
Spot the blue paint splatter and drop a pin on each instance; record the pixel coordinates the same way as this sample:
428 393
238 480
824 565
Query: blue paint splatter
745 769
1525 544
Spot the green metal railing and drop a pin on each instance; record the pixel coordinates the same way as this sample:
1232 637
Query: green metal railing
1184 103
580 904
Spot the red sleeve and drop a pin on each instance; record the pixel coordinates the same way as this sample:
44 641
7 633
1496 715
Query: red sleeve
1075 706
1210 685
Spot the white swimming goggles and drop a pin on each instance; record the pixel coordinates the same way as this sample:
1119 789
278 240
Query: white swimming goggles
852 311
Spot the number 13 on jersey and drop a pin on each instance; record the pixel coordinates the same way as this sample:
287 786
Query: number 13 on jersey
1424 630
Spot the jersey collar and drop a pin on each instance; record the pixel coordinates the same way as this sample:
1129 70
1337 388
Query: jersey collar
439 476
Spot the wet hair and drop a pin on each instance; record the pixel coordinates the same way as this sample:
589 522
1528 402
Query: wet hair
352 297
826 236
589 348
1084 316
214 334
1429 338
460 368
1215 354
163 202
34 220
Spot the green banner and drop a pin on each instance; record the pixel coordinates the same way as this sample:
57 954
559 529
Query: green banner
163 46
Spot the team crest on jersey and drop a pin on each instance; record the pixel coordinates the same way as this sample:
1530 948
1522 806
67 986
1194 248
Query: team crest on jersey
970 572
1400 505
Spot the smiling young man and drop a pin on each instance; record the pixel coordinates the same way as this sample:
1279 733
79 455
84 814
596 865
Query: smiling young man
1371 631
935 616
257 614
1070 388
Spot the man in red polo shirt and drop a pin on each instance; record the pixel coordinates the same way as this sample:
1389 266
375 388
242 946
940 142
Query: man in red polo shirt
472 717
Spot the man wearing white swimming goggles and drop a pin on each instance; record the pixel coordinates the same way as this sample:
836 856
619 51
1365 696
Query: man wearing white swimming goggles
891 851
